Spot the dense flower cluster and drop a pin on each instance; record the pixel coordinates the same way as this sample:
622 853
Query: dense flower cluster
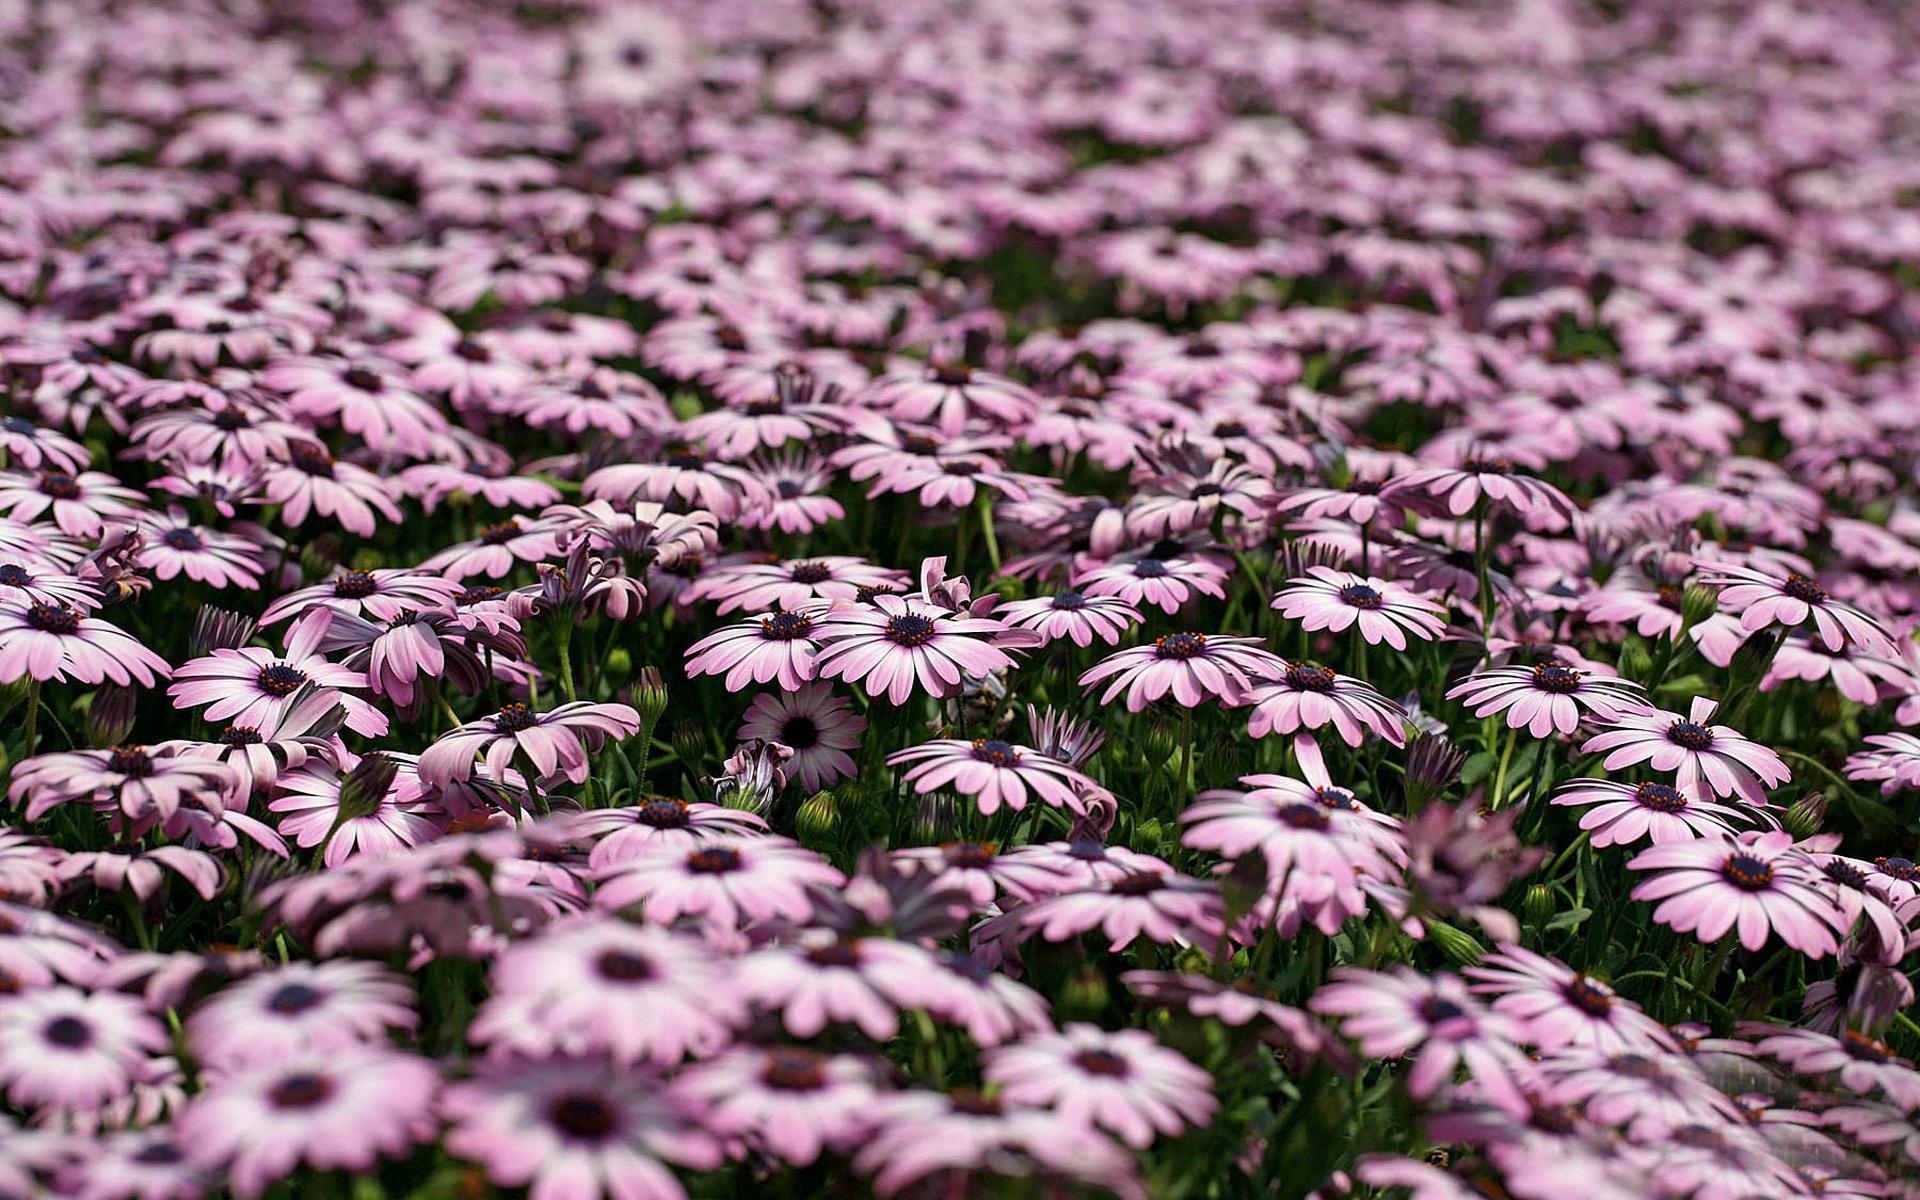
650 598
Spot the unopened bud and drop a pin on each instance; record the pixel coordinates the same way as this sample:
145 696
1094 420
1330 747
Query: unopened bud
1635 663
319 557
1753 658
1805 816
935 819
649 697
689 743
1433 765
218 629
1698 603
110 716
1540 905
366 786
817 818
1161 742
1086 994
1457 944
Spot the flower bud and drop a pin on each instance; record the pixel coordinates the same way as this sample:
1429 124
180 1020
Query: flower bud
1698 603
1161 742
1540 904
935 819
366 786
1433 765
319 557
1086 993
649 697
1635 663
1805 816
218 629
1457 944
817 819
689 743
110 716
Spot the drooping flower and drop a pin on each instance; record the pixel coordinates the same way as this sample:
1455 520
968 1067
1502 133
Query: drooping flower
558 742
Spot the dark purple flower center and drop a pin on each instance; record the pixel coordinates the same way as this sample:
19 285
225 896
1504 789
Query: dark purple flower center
810 573
311 459
714 860
765 406
232 420
1635 1066
1359 595
132 761
1102 1062
1199 347
1487 466
587 1116
909 630
183 538
1900 868
291 999
1747 873
962 467
15 575
1865 1049
1846 874
1589 995
1801 588
1436 1011
662 812
1690 736
840 952
499 535
974 1104
786 627
952 374
1364 487
1556 677
355 585
69 1033
406 616
1180 645
362 379
1699 1137
1304 816
1660 798
1070 601
1203 490
1139 883
59 485
996 753
686 460
791 1069
789 489
472 350
512 718
159 1153
799 733
304 1090
969 856
53 618
240 735
1310 677
480 593
1337 798
1151 568
623 966
280 680
919 443
1671 597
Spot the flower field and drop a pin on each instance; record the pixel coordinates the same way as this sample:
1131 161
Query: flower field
1190 599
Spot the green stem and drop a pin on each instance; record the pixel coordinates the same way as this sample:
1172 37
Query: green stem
1499 794
1480 557
984 500
563 641
33 714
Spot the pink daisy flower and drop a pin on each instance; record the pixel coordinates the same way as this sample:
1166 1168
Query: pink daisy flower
822 978
992 772
299 1007
343 1109
1624 813
1557 1006
66 1051
573 1129
1400 1012
726 881
789 1102
497 550
557 742
1725 761
1124 1082
314 807
1459 489
898 640
793 585
952 1138
1860 1063
311 482
1194 667
43 641
145 1164
1757 884
1073 615
174 546
1154 903
141 783
1309 696
253 686
600 986
818 726
1329 599
948 395
628 832
1545 697
783 646
1315 858
81 504
1168 582
1762 599
378 595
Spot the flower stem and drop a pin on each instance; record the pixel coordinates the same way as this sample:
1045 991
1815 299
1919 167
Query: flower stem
33 714
563 641
1498 796
984 500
